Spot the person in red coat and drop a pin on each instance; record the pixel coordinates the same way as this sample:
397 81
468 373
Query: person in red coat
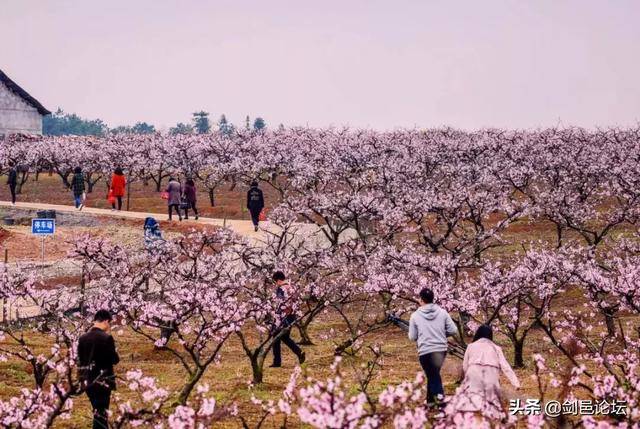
117 188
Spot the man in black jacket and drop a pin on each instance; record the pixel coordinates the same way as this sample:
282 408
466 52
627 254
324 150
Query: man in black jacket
77 186
12 181
255 203
96 357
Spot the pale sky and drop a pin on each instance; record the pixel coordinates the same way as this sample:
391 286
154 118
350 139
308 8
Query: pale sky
374 64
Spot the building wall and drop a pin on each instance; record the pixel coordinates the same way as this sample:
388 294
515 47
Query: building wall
16 115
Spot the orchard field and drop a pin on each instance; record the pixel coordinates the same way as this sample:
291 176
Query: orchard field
533 232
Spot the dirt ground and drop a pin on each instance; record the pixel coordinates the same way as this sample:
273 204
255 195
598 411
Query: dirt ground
229 380
49 189
21 245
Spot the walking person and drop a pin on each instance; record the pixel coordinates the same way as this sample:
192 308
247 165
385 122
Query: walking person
12 181
255 203
96 357
190 197
285 313
483 362
77 186
117 187
429 327
174 191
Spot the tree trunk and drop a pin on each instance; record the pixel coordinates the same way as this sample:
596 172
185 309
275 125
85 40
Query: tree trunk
257 367
341 348
188 388
39 373
65 179
518 354
21 182
91 183
305 339
83 283
477 253
159 181
610 321
128 194
212 199
559 234
464 320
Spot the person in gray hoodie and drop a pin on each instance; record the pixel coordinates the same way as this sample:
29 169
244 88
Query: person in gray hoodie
429 327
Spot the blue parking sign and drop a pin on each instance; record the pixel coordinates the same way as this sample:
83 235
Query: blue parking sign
43 226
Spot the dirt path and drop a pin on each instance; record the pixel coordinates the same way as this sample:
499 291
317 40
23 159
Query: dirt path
308 234
243 227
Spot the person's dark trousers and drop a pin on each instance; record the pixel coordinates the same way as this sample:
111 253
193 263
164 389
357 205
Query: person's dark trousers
177 208
119 199
255 216
191 206
431 364
285 338
168 328
99 397
12 188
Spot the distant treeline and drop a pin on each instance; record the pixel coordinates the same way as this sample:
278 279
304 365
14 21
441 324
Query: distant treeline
61 123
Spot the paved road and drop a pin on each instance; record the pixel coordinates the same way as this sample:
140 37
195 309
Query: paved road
244 227
309 233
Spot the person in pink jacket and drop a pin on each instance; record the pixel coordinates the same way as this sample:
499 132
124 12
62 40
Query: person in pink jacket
483 363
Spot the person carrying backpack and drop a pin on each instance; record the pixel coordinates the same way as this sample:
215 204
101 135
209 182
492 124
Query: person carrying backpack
77 187
255 203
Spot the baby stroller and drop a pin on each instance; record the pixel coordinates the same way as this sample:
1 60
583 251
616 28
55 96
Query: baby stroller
153 240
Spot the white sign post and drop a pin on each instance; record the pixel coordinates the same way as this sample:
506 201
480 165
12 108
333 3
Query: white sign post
43 227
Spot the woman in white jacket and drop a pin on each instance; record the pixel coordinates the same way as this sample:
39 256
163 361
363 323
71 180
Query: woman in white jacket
483 362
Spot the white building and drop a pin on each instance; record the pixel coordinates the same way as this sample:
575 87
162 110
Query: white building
19 112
